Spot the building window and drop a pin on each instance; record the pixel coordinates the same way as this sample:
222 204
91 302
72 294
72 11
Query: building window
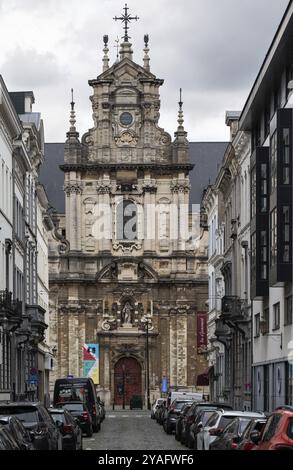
288 310
263 255
286 158
253 255
253 192
273 148
126 220
266 319
286 234
264 193
276 313
257 325
274 237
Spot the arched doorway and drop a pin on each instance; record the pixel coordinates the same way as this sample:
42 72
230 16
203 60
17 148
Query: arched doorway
127 380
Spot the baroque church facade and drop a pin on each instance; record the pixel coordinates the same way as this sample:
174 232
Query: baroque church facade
122 275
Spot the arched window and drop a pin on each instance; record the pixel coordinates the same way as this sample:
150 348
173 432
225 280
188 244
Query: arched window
127 220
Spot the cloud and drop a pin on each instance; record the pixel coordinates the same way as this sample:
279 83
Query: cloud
28 69
212 49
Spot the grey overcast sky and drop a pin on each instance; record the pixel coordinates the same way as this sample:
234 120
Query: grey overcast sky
213 49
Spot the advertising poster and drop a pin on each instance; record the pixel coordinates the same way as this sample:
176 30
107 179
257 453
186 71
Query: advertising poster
91 358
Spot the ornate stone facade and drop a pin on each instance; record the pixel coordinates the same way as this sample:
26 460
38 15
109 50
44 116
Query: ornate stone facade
105 288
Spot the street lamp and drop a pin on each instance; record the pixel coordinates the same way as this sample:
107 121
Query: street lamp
146 320
123 386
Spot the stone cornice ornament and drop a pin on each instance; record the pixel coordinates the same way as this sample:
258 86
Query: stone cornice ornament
104 188
150 186
72 188
180 187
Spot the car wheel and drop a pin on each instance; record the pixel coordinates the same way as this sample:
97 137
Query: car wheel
89 431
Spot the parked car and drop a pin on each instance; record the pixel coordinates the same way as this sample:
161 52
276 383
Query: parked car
179 421
216 425
7 441
79 411
79 389
171 414
136 402
69 428
17 430
199 422
160 412
155 406
277 433
231 435
188 436
36 420
182 395
256 424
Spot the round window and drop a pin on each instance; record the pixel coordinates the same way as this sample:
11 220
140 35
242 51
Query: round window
126 119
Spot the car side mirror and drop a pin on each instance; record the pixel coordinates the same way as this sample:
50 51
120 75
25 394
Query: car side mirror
255 437
32 436
200 425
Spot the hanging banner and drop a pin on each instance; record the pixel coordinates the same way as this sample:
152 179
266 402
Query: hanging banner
202 332
91 362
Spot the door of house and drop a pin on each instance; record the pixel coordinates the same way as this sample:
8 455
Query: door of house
127 380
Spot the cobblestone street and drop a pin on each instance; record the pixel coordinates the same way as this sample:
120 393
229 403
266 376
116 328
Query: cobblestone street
131 430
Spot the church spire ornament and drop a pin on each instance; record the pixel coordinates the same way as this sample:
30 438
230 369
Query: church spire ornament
106 51
146 59
72 130
126 18
180 134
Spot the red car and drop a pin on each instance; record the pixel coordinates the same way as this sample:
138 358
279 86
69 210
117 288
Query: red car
277 433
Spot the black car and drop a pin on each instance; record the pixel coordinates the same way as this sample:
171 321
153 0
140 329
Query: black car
231 435
17 430
69 428
160 411
36 420
7 441
79 389
79 411
172 414
178 428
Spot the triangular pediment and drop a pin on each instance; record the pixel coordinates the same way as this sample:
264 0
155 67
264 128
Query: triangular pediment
126 70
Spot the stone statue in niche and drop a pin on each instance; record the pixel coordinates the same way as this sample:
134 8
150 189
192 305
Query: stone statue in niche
126 314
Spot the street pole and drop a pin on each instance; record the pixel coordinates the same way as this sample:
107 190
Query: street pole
148 365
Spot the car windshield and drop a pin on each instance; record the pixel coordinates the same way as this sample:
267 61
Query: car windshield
179 404
25 415
73 406
206 416
58 417
243 423
225 420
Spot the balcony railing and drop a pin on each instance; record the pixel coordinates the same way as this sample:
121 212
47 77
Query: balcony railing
9 307
234 309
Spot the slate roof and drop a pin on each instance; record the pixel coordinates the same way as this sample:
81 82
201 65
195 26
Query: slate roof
206 156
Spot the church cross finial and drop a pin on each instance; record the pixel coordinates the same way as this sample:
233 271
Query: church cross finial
126 18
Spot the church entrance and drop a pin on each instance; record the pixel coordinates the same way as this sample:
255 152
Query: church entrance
127 380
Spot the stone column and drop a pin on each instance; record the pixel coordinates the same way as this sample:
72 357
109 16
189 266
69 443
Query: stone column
154 219
148 219
174 222
78 216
